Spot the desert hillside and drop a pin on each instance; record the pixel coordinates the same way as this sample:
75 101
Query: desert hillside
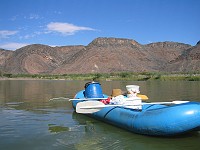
102 55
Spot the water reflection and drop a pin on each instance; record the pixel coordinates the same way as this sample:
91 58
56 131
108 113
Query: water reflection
56 129
104 136
43 90
37 91
30 121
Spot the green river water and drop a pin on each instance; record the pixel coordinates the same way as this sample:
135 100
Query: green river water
28 121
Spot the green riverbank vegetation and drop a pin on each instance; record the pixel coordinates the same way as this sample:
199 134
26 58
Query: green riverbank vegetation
144 76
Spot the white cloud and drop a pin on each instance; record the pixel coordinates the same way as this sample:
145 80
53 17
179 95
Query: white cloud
31 35
27 36
31 16
7 33
65 28
34 16
14 18
58 12
12 46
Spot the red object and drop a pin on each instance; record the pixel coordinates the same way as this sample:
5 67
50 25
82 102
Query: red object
106 101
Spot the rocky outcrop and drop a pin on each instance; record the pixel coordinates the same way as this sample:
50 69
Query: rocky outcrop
102 55
188 61
4 55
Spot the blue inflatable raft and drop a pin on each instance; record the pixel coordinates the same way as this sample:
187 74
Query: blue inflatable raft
153 119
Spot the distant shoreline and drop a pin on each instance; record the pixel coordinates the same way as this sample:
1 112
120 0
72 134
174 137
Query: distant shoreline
21 78
107 76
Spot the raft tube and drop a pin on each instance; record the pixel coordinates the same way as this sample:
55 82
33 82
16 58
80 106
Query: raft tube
153 119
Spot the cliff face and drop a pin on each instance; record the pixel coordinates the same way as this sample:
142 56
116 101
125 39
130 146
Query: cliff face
33 59
164 52
103 55
4 55
188 61
37 59
106 55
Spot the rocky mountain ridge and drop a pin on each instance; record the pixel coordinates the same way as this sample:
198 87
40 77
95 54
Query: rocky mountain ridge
102 55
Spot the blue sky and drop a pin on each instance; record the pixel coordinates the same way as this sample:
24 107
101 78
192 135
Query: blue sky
78 22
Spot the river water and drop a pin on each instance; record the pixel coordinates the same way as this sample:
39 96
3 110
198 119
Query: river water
29 121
